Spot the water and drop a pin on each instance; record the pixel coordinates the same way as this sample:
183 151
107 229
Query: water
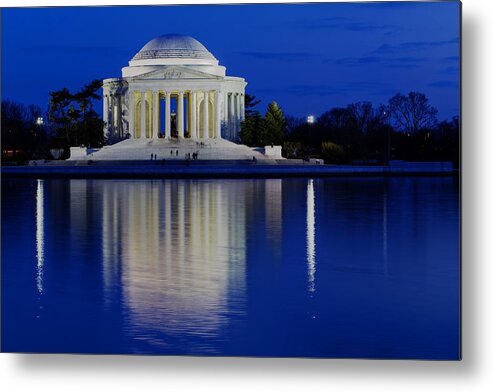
365 268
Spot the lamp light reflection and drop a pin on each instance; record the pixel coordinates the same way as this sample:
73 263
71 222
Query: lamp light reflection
310 235
39 236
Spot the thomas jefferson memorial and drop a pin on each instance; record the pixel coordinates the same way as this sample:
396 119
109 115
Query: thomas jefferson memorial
209 104
172 97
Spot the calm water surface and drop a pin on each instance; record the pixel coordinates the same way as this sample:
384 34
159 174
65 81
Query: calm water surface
298 267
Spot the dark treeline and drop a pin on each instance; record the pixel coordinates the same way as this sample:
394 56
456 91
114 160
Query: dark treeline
28 133
23 134
406 128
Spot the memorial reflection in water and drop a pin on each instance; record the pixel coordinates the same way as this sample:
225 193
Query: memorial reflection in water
231 267
175 250
181 253
178 248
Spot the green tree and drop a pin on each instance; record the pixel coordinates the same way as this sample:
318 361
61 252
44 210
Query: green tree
87 95
252 129
250 102
58 117
73 119
253 124
292 150
90 126
260 131
332 153
275 124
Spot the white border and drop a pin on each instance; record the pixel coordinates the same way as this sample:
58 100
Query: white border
474 373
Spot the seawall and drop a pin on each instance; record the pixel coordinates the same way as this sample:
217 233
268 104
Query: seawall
158 169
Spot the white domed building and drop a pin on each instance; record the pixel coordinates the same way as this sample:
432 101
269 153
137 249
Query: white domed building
178 74
173 95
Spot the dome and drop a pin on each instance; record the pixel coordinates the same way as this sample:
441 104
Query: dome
174 46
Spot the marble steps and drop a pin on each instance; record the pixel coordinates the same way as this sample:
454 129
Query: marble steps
142 150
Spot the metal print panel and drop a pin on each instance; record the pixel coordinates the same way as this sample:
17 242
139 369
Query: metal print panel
282 182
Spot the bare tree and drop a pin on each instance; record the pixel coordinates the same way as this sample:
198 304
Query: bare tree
335 118
412 113
361 115
21 134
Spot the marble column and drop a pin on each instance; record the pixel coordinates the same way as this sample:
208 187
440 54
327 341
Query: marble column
131 108
180 117
238 114
242 107
106 115
111 112
111 127
142 115
217 116
194 115
168 116
225 117
206 115
232 123
119 122
155 114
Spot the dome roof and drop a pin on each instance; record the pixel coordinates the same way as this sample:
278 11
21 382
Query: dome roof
174 46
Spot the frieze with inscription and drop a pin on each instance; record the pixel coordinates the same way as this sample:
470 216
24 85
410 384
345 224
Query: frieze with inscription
173 74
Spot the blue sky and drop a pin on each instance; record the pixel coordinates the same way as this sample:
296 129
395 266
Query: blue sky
307 57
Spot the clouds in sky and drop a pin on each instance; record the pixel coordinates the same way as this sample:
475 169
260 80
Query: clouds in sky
308 57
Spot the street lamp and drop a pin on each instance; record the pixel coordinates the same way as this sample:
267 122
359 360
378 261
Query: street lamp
310 121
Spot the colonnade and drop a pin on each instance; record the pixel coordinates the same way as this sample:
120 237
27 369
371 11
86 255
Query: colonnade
200 114
112 115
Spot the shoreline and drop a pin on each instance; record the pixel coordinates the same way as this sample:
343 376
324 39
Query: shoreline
214 169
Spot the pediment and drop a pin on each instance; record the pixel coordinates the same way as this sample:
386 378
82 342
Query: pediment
175 72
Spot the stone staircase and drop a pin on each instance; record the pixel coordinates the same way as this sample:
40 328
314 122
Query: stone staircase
132 149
